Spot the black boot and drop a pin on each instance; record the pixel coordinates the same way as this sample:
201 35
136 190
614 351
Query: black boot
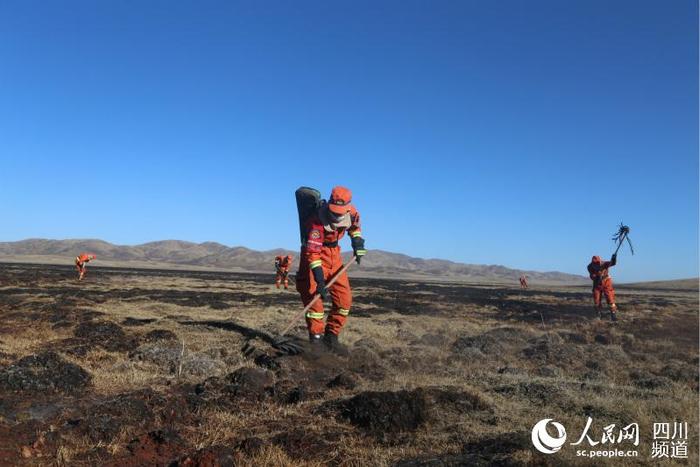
613 316
331 341
316 341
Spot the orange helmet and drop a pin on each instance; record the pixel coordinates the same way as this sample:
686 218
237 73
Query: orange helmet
340 200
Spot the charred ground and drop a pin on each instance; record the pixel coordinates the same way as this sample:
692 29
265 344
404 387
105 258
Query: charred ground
175 368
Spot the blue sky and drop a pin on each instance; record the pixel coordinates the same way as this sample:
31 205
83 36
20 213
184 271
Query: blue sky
510 132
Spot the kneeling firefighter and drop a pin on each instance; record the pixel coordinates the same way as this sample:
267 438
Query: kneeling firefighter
322 225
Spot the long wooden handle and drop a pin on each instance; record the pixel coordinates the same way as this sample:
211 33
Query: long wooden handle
311 303
622 239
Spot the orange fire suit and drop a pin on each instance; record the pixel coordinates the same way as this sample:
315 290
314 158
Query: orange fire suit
80 262
282 265
321 249
602 282
523 282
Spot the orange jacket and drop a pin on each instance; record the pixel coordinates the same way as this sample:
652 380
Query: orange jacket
83 258
319 238
283 263
598 270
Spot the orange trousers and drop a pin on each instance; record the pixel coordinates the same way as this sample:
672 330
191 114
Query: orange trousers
604 289
340 295
280 279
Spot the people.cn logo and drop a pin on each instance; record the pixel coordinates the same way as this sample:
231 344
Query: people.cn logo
545 443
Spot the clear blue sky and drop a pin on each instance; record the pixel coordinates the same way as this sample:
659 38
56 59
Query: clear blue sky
510 132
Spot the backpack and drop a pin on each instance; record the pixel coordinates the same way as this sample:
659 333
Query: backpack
308 202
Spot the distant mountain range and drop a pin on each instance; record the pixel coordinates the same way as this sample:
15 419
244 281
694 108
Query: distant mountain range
211 255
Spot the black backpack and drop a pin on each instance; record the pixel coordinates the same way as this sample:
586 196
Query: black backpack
308 202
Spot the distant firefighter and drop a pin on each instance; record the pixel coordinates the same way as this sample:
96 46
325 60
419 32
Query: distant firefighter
602 284
80 263
282 265
523 281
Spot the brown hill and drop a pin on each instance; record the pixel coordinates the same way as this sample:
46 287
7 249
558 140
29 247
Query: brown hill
210 255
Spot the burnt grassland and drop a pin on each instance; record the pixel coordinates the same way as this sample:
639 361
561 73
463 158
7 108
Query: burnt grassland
145 367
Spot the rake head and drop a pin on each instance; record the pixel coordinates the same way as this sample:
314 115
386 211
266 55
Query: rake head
287 345
621 235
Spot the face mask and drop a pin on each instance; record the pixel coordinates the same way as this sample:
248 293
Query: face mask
334 217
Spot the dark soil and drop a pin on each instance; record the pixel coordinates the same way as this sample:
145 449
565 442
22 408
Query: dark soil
387 413
160 335
106 334
46 372
245 385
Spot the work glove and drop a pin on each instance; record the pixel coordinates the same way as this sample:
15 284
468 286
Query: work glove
358 248
613 260
320 282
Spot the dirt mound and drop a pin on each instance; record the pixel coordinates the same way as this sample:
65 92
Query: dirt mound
646 380
129 321
160 335
105 334
387 413
492 342
301 443
288 392
551 350
367 364
45 372
243 385
249 382
104 420
154 448
344 381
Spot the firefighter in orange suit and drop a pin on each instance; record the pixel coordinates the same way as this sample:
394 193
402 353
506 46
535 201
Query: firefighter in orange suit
602 284
80 261
282 265
523 281
321 260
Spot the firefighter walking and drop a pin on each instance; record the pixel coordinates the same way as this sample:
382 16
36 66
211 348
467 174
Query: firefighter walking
321 260
282 265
